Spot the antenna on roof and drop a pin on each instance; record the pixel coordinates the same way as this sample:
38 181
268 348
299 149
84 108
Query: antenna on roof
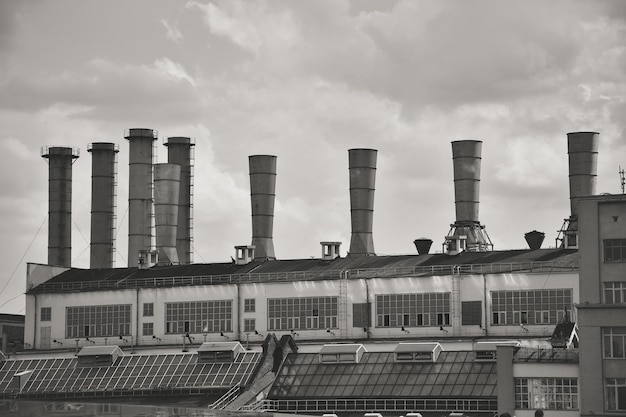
621 178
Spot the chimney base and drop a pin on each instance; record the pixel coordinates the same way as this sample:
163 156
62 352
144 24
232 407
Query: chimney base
467 237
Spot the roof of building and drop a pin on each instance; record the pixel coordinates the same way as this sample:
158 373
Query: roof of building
378 375
314 269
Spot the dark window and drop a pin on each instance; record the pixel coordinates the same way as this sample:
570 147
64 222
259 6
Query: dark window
471 313
249 305
249 325
614 250
361 315
46 313
148 329
148 309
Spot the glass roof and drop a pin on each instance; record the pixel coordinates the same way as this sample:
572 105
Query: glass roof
454 374
132 372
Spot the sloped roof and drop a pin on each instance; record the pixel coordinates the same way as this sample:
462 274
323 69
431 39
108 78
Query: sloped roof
313 269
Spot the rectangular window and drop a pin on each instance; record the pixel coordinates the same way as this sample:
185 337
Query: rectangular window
148 309
98 321
546 306
615 389
46 313
302 313
412 310
212 316
249 325
614 342
615 292
148 329
614 250
546 393
249 305
361 315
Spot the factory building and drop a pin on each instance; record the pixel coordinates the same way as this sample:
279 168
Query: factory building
486 331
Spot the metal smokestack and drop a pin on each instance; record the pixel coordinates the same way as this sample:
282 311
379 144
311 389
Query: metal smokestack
103 195
166 191
582 150
180 152
467 234
60 160
262 196
362 167
140 156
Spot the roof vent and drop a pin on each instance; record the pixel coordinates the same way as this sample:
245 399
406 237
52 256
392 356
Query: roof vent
244 254
341 353
417 352
212 352
330 250
486 351
98 356
147 259
534 239
422 245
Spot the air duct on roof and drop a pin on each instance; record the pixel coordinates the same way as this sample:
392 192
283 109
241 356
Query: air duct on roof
467 234
180 151
140 159
60 160
423 245
166 193
582 150
534 239
103 192
362 167
262 196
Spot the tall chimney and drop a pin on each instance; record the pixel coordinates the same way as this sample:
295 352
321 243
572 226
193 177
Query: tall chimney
60 160
141 145
362 167
262 196
582 150
103 194
180 152
166 191
467 234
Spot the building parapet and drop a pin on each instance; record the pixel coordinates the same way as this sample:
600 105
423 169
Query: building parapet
546 355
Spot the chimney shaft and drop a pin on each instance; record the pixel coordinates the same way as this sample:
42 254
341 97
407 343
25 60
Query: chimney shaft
262 196
362 167
582 150
166 191
139 192
103 192
466 158
179 151
60 160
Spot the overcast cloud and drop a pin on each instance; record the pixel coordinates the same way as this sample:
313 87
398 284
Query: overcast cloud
307 81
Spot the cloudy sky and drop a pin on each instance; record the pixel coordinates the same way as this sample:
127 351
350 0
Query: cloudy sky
306 81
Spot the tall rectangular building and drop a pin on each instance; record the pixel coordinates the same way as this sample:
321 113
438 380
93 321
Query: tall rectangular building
602 308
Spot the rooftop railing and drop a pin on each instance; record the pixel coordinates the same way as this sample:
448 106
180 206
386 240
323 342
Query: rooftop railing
360 273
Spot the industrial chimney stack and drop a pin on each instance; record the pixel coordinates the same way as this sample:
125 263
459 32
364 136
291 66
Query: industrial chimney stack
262 196
60 160
467 234
362 167
180 152
140 157
103 194
582 150
166 190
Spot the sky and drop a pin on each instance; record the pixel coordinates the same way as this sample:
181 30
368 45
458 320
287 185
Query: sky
307 81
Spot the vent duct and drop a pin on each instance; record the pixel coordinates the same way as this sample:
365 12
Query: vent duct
423 245
362 167
534 239
60 160
262 196
140 160
103 195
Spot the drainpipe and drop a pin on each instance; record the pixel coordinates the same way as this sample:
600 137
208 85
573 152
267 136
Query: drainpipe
132 349
240 314
35 323
485 326
369 315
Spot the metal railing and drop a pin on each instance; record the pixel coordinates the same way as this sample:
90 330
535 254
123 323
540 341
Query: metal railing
546 355
360 273
225 399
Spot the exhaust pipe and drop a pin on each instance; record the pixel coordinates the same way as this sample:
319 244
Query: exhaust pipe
362 167
60 160
103 192
262 195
